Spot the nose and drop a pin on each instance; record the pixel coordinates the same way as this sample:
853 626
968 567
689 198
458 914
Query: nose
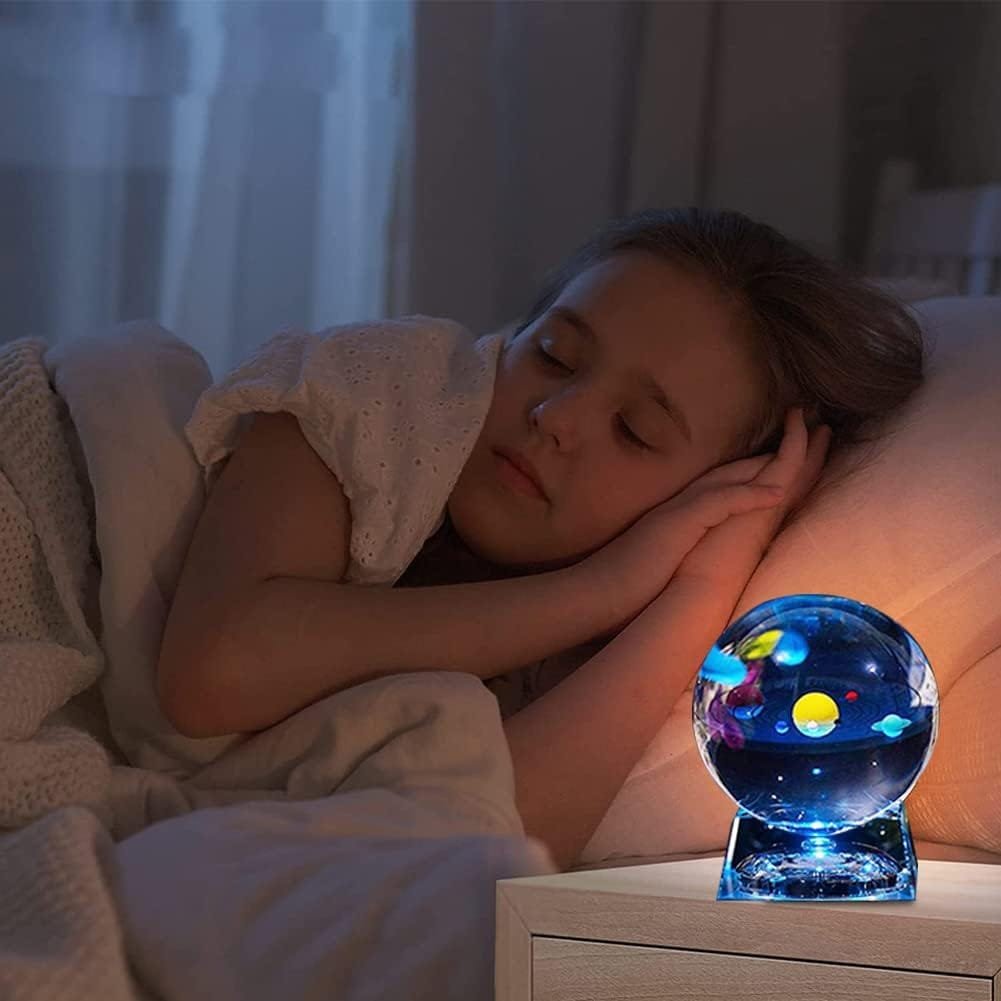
563 416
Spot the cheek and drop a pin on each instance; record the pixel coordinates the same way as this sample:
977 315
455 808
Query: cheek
629 494
506 392
509 408
607 499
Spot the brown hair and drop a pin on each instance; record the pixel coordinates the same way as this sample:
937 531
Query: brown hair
847 352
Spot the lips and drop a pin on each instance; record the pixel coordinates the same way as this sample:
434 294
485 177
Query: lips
522 464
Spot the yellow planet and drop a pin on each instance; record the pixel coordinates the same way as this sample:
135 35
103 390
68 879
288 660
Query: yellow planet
815 714
760 646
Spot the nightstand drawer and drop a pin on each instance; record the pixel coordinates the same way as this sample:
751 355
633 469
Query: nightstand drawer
574 970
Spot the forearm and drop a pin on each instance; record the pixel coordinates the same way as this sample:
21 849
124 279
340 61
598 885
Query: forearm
293 641
574 747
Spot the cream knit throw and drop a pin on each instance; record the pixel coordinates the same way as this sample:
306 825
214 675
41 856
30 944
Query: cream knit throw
48 651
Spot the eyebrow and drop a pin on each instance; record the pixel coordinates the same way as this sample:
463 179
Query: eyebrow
645 380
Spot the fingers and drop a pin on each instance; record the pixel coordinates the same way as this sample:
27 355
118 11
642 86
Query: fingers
801 453
806 475
821 439
816 456
739 498
795 441
738 471
783 470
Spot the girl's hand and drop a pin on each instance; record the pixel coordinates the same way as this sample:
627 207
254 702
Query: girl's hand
727 554
636 566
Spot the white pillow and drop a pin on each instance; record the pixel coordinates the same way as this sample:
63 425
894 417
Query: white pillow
917 534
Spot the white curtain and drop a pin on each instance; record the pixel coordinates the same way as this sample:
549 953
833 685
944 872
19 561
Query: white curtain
234 168
229 168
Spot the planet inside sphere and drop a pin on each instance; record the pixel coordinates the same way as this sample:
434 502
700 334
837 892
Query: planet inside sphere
815 712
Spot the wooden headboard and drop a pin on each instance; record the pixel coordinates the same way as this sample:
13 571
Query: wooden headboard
951 234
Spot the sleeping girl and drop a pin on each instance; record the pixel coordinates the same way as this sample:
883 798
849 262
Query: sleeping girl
661 411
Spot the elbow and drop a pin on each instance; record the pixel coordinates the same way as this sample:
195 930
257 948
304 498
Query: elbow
187 700
563 854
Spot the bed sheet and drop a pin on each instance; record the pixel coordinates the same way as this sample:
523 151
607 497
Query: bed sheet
350 850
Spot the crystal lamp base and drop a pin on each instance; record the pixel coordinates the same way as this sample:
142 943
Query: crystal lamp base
874 861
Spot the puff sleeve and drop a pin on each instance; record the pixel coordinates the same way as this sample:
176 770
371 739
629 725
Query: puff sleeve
392 408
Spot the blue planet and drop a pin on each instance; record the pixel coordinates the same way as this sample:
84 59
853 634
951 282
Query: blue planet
822 718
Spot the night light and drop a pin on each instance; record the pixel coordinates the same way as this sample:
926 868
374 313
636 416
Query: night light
817 714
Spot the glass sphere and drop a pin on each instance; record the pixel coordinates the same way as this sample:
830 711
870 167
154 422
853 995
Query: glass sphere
815 712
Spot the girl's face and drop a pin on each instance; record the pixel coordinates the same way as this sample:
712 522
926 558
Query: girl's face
576 396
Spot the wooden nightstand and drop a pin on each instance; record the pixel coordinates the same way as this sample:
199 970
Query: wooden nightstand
657 933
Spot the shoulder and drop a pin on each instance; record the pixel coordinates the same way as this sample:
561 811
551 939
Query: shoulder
420 344
405 333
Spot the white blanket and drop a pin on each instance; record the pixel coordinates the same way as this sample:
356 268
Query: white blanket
383 890
349 852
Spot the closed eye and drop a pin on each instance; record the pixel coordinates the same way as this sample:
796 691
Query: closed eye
623 428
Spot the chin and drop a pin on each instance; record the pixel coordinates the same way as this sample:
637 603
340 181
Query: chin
489 541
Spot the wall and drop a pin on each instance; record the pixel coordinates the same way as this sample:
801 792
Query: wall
782 110
777 118
922 82
740 108
516 153
968 127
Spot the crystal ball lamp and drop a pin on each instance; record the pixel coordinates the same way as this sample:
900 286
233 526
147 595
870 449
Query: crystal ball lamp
816 714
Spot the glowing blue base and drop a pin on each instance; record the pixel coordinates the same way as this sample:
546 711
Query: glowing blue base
873 862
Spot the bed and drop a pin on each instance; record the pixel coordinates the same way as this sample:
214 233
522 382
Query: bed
940 466
937 241
385 890
350 850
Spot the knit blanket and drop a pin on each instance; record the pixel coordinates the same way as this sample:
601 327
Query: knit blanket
312 858
47 587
